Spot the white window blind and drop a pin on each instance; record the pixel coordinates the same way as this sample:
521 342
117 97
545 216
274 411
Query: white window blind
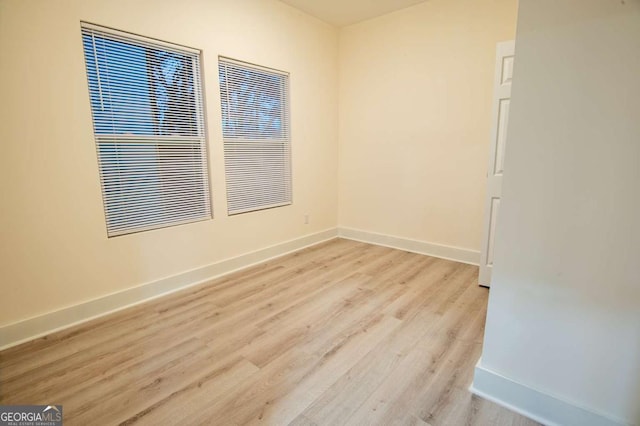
146 103
256 133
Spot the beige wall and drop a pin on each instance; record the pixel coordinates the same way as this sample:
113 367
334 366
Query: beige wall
54 249
411 113
564 309
415 104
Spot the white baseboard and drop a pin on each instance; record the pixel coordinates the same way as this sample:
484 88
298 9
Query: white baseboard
458 254
539 406
32 328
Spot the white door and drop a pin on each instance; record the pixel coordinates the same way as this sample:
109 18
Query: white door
499 120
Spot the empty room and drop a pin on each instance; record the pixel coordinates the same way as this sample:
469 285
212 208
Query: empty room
320 212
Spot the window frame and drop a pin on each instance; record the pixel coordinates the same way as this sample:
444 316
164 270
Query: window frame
162 143
285 142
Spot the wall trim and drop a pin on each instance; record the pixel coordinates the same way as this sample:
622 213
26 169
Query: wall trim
537 405
457 254
41 325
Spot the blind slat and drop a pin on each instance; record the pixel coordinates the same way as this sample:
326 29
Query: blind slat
256 134
146 104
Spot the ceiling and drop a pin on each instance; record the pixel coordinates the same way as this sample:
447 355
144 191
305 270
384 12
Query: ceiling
346 12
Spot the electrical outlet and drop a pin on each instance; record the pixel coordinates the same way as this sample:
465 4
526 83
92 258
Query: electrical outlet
306 219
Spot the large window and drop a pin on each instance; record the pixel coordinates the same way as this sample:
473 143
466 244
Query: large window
146 102
255 128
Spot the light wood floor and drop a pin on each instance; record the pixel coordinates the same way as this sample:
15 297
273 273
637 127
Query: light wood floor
339 333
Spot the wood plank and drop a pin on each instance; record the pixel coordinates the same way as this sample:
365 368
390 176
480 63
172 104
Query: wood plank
339 333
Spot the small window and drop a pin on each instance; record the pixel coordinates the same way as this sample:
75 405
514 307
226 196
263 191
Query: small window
255 129
146 103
